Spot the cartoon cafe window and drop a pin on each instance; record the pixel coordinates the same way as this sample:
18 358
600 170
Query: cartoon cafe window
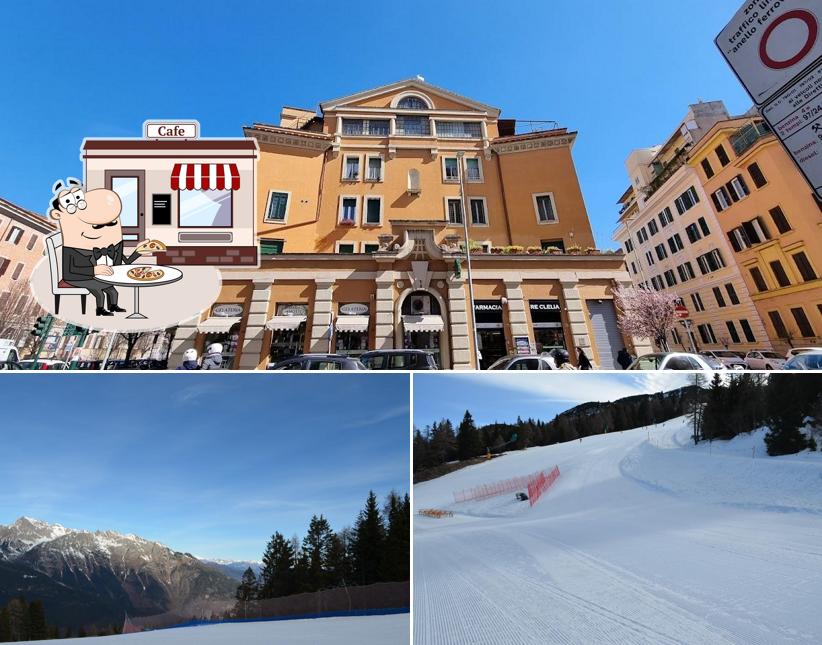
205 194
229 342
287 331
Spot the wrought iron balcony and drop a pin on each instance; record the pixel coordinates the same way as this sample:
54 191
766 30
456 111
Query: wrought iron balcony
747 135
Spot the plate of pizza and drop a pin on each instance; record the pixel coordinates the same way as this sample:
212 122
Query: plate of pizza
145 273
151 246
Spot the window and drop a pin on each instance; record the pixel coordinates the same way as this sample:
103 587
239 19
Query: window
412 103
351 168
755 231
4 264
271 247
413 126
17 270
757 176
722 156
732 330
478 214
697 300
15 233
676 337
693 233
686 201
659 285
732 294
737 188
373 211
720 300
686 272
779 219
374 172
557 244
348 210
649 258
629 246
675 243
277 210
706 333
746 329
759 281
450 169
706 167
32 242
544 207
459 129
653 229
670 278
779 273
666 217
805 329
346 247
473 169
703 225
369 248
778 324
721 199
661 253
804 266
202 208
642 235
453 208
633 268
710 262
365 127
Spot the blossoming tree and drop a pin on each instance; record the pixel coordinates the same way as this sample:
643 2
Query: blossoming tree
645 313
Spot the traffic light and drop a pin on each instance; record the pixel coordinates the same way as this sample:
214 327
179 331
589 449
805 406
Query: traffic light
42 325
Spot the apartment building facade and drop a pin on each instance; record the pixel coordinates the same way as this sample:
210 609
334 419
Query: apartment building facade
21 247
674 242
360 213
771 220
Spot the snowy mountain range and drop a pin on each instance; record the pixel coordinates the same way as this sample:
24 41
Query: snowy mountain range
86 577
234 568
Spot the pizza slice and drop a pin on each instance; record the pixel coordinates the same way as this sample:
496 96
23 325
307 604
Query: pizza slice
150 246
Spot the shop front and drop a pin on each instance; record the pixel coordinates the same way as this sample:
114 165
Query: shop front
288 328
490 331
351 328
546 321
222 326
423 324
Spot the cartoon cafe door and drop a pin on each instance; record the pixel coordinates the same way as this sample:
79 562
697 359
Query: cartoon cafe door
130 186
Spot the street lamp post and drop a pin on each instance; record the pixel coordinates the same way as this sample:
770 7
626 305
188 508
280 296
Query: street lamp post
460 164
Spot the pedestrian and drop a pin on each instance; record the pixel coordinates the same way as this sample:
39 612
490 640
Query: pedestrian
583 362
624 358
562 360
189 360
213 360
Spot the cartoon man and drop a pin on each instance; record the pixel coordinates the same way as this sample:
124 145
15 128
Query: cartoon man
92 239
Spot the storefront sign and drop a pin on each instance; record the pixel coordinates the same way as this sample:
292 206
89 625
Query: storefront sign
522 345
353 309
292 310
171 129
545 312
227 311
488 312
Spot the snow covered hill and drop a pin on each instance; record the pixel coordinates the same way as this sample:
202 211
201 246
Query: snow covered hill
375 630
644 538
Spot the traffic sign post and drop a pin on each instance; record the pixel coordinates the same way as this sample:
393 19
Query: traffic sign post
775 49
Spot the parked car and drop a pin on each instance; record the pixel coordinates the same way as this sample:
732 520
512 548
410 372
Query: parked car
764 360
672 361
8 351
811 360
729 359
319 362
133 364
519 362
43 364
399 359
9 365
795 351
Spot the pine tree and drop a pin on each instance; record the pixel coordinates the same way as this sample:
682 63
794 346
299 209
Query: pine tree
788 403
468 438
37 629
338 566
247 594
277 577
397 553
369 538
316 545
5 625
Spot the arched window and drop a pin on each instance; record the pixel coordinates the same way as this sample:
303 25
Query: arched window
412 103
420 303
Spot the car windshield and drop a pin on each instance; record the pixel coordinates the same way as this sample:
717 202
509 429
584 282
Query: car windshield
770 355
726 354
810 361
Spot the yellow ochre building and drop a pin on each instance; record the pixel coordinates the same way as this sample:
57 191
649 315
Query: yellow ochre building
361 244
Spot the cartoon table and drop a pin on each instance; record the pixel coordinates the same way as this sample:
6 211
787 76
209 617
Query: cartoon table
120 279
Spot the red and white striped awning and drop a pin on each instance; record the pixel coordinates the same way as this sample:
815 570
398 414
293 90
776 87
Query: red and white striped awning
205 176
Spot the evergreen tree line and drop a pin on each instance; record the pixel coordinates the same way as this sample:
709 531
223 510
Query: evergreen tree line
21 620
441 443
376 549
745 402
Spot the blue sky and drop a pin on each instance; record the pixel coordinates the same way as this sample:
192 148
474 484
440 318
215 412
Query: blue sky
212 466
620 72
502 396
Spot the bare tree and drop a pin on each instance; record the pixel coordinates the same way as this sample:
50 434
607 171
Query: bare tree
18 311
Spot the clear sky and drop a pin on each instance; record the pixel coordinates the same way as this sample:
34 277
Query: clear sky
502 396
621 72
208 465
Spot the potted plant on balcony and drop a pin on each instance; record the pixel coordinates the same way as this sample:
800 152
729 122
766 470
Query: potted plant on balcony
513 249
496 250
591 250
552 250
574 249
534 250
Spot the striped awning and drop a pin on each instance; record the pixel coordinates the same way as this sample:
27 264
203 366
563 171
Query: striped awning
217 324
205 176
423 323
352 323
285 323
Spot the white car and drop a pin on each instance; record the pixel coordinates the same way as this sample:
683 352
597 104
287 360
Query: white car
729 359
672 361
764 360
43 364
524 362
795 351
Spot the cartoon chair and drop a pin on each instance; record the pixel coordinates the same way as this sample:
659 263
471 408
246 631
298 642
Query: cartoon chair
59 287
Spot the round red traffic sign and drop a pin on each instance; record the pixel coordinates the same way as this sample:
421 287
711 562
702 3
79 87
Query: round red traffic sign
813 30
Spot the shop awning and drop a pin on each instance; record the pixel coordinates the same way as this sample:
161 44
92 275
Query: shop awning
205 176
352 323
217 324
285 323
423 323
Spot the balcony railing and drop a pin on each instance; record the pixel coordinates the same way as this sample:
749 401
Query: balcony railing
666 173
748 135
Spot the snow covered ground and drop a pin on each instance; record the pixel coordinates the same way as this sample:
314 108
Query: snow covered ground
644 538
380 630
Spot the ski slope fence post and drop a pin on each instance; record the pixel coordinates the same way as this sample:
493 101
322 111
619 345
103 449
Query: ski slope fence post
486 491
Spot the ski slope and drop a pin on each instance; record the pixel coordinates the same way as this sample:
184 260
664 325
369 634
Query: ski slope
644 538
380 630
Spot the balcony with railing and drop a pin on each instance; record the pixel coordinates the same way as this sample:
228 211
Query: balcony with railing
747 135
666 172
